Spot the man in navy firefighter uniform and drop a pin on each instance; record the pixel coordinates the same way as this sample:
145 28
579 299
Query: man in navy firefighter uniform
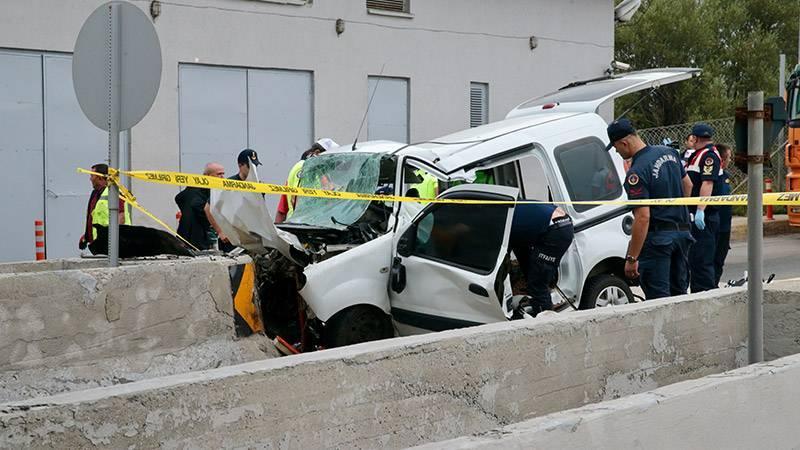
540 236
660 241
704 170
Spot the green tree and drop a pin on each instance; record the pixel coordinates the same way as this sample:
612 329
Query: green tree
735 42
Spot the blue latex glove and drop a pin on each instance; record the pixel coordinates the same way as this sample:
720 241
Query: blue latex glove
700 219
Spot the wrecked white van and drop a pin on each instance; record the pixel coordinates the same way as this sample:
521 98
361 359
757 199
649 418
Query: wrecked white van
383 267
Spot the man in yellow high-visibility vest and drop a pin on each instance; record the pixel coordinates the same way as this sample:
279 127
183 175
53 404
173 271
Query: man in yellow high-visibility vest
97 210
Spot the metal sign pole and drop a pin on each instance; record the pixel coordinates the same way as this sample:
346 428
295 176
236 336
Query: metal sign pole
115 82
755 226
781 75
116 35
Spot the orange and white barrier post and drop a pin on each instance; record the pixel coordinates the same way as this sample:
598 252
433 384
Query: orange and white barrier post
768 188
38 227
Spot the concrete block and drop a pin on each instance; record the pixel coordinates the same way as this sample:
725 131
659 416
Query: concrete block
404 391
62 317
750 407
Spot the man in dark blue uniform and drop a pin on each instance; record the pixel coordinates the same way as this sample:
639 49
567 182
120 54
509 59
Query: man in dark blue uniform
540 235
659 246
704 171
725 213
244 159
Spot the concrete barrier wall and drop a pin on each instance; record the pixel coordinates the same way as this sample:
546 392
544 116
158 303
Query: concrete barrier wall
781 320
752 407
404 391
54 264
62 317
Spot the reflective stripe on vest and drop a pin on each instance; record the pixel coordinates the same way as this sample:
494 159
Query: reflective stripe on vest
694 165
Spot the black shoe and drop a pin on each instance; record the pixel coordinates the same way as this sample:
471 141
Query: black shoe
526 307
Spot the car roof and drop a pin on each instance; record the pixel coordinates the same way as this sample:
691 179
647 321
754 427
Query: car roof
506 139
476 145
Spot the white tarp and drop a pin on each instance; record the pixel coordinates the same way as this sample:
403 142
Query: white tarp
246 221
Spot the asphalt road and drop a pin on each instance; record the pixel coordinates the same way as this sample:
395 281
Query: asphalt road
781 257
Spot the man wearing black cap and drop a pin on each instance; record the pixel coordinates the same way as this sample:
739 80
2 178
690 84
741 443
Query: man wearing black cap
659 246
704 169
246 156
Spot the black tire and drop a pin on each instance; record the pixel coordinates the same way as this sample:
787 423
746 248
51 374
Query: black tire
597 284
358 324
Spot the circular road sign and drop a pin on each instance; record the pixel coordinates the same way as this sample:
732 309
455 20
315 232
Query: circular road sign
137 54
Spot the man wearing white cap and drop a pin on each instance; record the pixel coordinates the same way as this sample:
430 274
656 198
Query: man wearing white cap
287 202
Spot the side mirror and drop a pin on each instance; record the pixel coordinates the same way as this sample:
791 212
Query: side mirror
406 243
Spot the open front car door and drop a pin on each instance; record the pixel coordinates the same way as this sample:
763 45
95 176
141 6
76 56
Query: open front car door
450 264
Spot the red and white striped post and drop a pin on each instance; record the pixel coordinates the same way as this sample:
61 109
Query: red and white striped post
38 227
768 188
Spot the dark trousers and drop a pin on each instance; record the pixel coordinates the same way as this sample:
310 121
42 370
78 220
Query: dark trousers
701 256
723 245
664 264
539 260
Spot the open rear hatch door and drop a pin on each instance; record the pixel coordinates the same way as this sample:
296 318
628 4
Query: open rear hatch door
589 95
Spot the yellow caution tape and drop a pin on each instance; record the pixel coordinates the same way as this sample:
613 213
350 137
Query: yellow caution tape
128 197
204 181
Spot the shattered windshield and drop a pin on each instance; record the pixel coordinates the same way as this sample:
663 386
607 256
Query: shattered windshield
350 172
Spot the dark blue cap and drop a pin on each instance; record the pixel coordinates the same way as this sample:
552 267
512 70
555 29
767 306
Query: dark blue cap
702 130
617 130
247 156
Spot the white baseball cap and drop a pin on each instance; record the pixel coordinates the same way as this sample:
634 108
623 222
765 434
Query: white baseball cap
327 143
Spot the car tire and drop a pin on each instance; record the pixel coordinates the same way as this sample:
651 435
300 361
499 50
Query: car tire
605 289
358 324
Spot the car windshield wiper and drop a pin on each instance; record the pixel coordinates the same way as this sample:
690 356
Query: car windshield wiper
353 227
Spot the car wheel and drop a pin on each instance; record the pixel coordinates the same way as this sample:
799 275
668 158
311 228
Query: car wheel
358 324
604 290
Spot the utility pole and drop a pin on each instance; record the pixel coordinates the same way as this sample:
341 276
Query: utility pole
781 75
755 226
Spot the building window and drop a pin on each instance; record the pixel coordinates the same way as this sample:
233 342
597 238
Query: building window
400 7
478 104
387 117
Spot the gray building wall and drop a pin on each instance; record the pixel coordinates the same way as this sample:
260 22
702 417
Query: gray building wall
441 47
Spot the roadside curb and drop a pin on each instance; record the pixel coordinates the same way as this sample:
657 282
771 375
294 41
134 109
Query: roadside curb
775 227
